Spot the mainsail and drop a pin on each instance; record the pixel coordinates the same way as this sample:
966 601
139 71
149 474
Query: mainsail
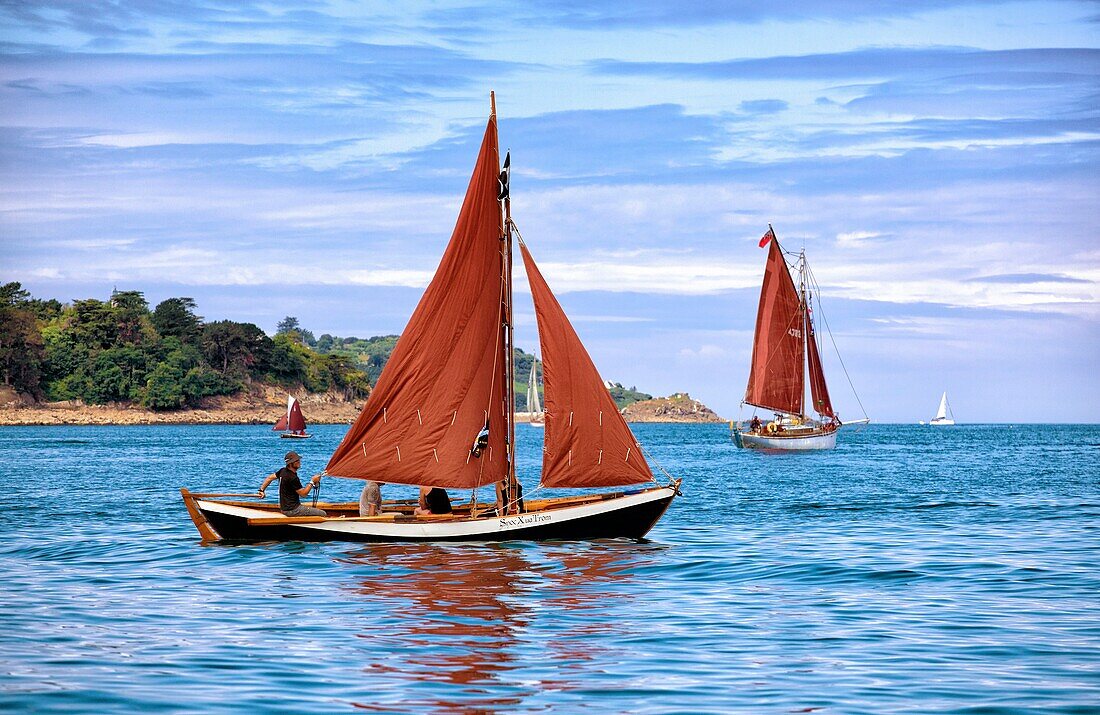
296 421
444 381
941 413
587 442
776 379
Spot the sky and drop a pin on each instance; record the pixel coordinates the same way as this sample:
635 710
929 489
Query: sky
939 163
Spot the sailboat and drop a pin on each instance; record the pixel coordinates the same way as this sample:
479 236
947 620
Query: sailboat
534 407
941 419
292 422
442 413
784 347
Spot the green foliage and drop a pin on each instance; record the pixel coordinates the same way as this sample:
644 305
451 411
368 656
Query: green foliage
287 361
371 354
233 348
163 390
287 325
21 347
118 350
201 381
627 396
107 384
175 318
92 323
70 387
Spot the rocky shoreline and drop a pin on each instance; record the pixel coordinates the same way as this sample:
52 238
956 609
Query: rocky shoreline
262 406
680 407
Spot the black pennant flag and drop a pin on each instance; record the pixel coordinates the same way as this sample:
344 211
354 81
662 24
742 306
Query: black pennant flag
505 173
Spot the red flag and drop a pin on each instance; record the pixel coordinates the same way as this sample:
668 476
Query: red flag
767 237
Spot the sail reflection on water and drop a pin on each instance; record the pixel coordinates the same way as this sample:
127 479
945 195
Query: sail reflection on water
464 619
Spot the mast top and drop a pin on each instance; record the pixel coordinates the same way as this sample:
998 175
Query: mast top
492 103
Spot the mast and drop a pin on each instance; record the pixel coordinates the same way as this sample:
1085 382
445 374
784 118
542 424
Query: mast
805 323
510 353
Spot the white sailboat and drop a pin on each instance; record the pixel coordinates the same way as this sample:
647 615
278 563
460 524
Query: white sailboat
534 406
941 419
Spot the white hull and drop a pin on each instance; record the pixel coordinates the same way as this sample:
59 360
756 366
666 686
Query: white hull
790 443
941 423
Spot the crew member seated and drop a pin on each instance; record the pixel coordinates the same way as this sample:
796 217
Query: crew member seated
433 500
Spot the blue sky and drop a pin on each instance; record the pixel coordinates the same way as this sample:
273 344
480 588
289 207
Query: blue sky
939 162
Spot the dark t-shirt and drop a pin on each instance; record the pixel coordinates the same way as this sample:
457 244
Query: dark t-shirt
438 502
289 484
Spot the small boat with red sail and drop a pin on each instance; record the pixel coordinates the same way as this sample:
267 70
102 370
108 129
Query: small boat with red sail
442 414
292 423
785 347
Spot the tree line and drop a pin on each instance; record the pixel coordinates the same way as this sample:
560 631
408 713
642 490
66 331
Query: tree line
119 350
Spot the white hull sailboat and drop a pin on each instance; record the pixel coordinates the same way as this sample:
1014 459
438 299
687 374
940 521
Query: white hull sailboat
941 419
784 349
534 407
442 414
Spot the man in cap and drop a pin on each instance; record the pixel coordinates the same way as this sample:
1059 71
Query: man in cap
291 490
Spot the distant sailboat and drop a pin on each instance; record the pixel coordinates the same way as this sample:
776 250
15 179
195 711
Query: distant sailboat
293 422
941 419
784 347
534 407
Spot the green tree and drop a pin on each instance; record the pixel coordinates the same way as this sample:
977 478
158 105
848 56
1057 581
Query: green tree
107 384
21 347
287 362
201 381
93 324
131 311
233 348
63 357
163 390
175 317
289 324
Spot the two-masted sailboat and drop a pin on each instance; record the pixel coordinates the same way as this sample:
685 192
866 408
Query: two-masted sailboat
292 423
784 348
442 413
942 419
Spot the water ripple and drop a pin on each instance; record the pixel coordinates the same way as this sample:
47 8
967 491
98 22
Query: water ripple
909 571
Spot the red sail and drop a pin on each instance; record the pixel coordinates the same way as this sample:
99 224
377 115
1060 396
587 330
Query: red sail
281 424
587 442
445 378
776 380
820 391
297 420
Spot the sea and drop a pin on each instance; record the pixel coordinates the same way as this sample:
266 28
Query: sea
912 570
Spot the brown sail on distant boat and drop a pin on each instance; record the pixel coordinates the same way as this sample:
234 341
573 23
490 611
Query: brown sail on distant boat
784 350
442 413
292 423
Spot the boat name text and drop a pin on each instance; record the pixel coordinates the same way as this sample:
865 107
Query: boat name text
523 520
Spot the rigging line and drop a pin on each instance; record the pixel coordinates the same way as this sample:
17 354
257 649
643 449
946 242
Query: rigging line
829 330
653 460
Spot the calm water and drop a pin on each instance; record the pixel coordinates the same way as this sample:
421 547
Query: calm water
912 570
